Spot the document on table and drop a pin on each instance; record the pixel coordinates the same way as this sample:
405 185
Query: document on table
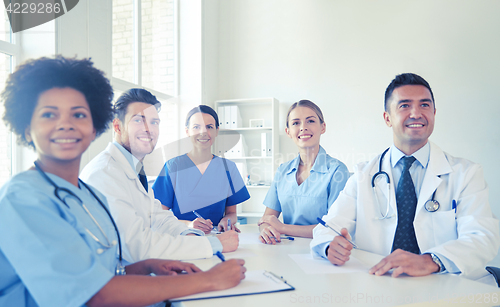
312 265
249 238
240 253
255 282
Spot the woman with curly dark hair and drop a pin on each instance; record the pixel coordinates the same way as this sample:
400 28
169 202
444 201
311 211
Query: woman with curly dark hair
58 242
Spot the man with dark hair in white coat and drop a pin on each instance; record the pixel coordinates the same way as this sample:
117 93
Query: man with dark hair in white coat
147 230
429 211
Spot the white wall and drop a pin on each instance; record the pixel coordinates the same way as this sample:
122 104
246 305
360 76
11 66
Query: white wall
343 54
85 32
35 42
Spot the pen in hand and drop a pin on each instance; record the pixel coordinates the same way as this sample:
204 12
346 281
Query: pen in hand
204 225
228 224
328 226
221 256
197 215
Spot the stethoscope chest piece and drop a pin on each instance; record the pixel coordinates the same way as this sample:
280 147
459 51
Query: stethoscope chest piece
432 205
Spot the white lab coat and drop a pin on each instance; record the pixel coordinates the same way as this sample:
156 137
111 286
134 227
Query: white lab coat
146 230
470 238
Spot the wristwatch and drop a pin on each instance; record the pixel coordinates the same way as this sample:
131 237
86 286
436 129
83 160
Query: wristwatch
438 262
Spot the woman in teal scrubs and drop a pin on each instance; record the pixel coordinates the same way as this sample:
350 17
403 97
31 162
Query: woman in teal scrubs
304 188
199 181
58 243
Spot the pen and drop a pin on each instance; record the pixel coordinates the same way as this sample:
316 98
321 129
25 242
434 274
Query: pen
287 238
228 224
454 205
326 225
197 214
221 256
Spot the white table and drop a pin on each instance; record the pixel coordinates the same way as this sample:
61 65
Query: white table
348 289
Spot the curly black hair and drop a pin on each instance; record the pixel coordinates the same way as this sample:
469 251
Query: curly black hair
34 77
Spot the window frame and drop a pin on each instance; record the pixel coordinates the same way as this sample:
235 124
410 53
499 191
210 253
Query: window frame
12 49
123 85
165 98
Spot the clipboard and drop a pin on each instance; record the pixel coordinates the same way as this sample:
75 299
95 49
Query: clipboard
255 282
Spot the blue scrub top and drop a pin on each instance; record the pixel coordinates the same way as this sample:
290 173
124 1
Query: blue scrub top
181 187
47 258
302 204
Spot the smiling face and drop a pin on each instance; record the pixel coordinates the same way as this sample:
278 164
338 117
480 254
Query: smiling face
202 130
140 129
304 127
61 126
411 116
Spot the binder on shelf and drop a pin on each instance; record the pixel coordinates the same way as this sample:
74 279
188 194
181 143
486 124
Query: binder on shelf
235 117
239 150
269 144
219 147
227 117
266 144
221 113
226 142
255 282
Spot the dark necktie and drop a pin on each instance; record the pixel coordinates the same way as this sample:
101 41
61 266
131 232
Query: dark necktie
143 178
406 200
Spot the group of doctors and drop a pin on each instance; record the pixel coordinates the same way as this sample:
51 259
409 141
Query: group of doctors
445 225
65 243
80 233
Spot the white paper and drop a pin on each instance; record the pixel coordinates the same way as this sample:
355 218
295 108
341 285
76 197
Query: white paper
311 265
249 238
255 282
240 253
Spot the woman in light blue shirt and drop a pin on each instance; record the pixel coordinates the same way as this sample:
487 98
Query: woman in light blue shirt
304 188
58 242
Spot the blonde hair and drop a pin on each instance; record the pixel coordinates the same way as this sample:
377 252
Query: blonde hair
308 104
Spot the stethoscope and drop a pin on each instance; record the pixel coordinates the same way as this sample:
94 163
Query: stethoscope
120 269
431 205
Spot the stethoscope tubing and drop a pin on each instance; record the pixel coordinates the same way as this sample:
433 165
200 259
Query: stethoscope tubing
434 203
57 190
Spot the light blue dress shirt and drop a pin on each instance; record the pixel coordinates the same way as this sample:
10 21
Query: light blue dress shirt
303 204
417 169
47 258
214 242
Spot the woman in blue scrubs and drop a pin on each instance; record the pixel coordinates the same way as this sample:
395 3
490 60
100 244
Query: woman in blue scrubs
58 243
199 181
304 188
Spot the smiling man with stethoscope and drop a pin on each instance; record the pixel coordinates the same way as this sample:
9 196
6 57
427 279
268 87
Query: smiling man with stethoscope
426 210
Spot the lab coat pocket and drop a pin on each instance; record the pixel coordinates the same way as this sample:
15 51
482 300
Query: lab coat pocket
444 226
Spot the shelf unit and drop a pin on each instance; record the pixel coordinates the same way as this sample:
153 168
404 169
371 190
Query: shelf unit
251 162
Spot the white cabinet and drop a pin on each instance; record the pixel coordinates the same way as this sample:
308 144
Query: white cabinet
248 136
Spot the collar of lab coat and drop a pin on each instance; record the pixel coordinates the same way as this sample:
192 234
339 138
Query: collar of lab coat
438 165
127 168
132 160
